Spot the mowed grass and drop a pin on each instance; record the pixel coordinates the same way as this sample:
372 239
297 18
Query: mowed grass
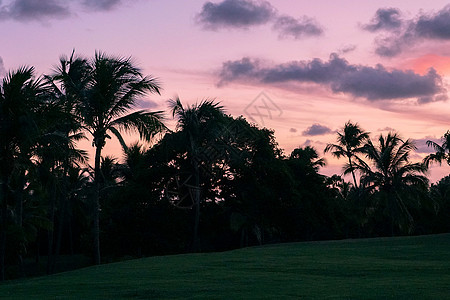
385 268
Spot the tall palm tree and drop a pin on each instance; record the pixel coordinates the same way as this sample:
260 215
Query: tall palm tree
198 125
397 182
442 151
21 99
349 142
105 89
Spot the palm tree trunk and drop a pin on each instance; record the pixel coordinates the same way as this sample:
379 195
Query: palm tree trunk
62 211
59 232
51 231
196 242
19 216
38 247
353 172
70 236
96 228
3 221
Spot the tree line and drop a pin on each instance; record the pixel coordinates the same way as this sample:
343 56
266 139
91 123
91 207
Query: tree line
215 182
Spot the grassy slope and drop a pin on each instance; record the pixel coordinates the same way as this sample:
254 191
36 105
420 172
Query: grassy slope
411 267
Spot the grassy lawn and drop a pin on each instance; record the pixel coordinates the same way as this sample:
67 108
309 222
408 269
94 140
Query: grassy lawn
395 268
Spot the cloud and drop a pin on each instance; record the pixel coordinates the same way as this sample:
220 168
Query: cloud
385 19
393 45
312 143
387 128
293 130
43 10
307 143
347 49
101 4
371 83
146 104
238 70
31 10
422 147
288 26
235 14
425 27
243 14
316 129
434 26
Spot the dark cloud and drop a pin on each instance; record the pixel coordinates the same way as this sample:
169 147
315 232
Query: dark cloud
101 4
44 10
235 14
288 26
31 10
347 49
237 70
316 129
307 143
422 147
385 19
435 26
312 143
432 26
372 83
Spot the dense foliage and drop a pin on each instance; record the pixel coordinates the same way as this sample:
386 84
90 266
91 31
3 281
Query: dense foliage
216 182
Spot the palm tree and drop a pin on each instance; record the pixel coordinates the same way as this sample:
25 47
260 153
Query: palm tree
198 126
21 99
105 89
396 181
309 157
349 142
442 151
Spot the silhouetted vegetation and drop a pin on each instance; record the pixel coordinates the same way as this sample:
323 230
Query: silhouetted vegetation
215 182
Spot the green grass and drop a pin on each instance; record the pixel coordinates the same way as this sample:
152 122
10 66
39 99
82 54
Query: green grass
386 268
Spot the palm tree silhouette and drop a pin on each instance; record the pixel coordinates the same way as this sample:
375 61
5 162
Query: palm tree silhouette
198 126
397 181
309 157
105 89
442 151
21 100
349 142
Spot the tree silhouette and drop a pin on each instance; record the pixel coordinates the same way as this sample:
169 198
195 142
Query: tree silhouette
21 100
309 157
105 89
442 151
349 142
199 126
397 182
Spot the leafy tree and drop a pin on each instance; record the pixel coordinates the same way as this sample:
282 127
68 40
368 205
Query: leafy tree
349 143
439 221
256 185
105 89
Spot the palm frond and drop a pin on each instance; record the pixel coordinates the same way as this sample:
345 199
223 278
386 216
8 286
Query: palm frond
148 124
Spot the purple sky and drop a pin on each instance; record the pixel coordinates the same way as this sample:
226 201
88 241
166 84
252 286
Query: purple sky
319 63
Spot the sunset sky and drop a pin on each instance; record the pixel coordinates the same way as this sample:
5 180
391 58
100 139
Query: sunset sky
313 64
